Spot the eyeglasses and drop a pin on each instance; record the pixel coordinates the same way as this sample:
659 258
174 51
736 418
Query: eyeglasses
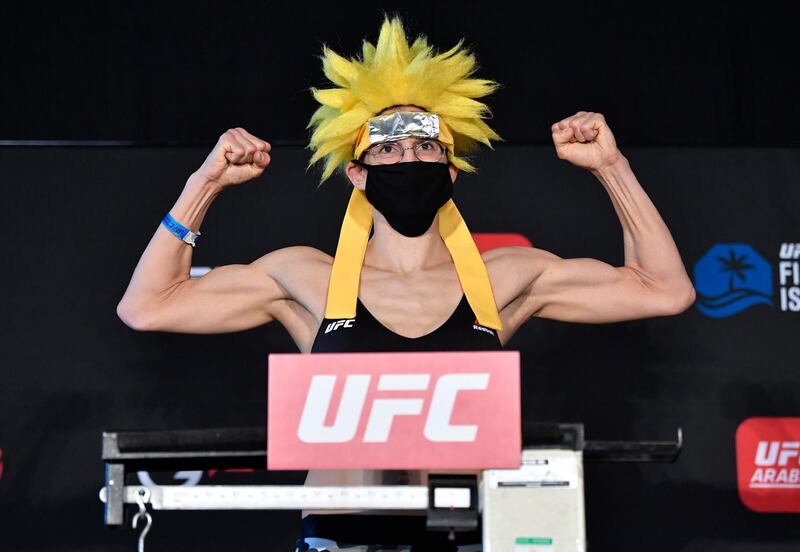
392 152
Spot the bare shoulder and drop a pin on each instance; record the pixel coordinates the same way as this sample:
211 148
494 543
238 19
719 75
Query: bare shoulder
516 253
301 271
513 269
303 254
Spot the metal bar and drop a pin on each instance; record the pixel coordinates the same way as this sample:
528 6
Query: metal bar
114 510
187 449
551 435
247 448
633 451
280 497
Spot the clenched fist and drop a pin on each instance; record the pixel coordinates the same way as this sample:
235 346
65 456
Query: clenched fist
585 141
237 157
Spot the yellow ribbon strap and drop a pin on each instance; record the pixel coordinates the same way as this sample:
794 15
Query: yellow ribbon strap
346 269
469 265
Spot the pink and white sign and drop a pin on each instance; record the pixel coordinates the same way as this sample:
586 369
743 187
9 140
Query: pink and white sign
436 410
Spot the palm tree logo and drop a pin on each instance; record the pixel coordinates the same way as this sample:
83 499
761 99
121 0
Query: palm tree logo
735 265
731 277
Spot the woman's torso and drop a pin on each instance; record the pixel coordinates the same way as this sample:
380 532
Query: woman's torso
401 304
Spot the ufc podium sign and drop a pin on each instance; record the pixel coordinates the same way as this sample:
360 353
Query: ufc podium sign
450 410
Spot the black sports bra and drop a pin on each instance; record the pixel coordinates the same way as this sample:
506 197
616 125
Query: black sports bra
364 333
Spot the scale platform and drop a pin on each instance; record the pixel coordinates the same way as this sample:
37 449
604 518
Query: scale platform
537 507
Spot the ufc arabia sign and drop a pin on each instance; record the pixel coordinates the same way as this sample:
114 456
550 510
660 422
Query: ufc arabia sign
458 410
768 464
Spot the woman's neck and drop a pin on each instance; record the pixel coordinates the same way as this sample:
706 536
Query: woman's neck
391 251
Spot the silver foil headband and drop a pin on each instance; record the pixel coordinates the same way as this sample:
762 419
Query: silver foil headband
403 124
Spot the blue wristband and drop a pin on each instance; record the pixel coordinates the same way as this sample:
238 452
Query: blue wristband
179 230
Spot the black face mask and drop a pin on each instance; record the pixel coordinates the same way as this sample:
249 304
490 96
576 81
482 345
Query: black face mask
409 194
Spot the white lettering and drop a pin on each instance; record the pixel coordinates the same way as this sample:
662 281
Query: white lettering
789 251
764 458
770 477
437 425
771 453
481 328
789 271
383 411
339 324
789 451
790 299
312 427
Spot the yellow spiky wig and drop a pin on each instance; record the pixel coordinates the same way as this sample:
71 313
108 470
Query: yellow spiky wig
392 73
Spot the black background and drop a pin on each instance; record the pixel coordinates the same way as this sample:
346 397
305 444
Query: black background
665 73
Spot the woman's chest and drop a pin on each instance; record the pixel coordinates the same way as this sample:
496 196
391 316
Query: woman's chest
410 306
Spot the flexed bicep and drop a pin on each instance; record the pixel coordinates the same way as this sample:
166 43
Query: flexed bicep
587 290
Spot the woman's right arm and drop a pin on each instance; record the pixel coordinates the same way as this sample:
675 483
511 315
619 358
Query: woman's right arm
161 294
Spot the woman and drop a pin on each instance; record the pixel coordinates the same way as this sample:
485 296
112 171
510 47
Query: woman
398 125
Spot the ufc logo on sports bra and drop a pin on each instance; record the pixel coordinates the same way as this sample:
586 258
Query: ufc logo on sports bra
339 324
457 410
437 426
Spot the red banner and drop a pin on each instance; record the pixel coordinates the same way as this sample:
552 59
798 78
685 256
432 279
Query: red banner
768 464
